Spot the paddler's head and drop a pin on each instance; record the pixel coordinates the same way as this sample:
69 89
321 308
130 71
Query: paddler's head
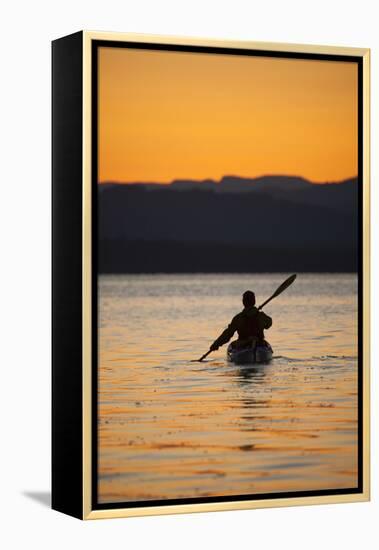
248 298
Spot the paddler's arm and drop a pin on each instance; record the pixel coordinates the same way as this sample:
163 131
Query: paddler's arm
264 320
225 336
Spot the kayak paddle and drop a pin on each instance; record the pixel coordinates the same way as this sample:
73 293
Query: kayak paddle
278 291
201 358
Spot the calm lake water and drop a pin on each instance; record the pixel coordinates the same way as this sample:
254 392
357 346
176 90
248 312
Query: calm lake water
169 428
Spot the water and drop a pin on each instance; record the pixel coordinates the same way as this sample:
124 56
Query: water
169 428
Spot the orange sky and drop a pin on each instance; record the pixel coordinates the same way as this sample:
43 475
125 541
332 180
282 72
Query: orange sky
168 115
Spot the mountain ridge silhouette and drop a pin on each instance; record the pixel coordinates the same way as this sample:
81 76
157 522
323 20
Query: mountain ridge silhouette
232 183
185 219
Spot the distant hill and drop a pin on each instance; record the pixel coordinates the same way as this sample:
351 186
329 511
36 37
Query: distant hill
233 184
272 223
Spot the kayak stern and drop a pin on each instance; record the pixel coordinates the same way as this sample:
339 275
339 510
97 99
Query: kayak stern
250 355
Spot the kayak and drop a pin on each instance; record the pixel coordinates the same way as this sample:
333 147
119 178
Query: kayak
260 354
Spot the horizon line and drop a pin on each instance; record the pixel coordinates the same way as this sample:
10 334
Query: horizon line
218 181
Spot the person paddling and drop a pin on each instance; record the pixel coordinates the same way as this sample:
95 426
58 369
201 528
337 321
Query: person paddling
249 324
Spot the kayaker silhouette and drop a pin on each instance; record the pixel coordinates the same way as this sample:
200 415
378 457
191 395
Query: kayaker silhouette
250 324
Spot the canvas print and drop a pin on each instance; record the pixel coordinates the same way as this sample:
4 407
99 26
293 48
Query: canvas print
228 275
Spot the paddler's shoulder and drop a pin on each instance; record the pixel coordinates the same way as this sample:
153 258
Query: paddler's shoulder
246 312
237 317
250 311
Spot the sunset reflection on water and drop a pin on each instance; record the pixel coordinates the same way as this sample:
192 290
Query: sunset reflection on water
170 428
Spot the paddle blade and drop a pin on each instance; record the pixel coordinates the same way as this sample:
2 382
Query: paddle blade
279 290
201 358
284 285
